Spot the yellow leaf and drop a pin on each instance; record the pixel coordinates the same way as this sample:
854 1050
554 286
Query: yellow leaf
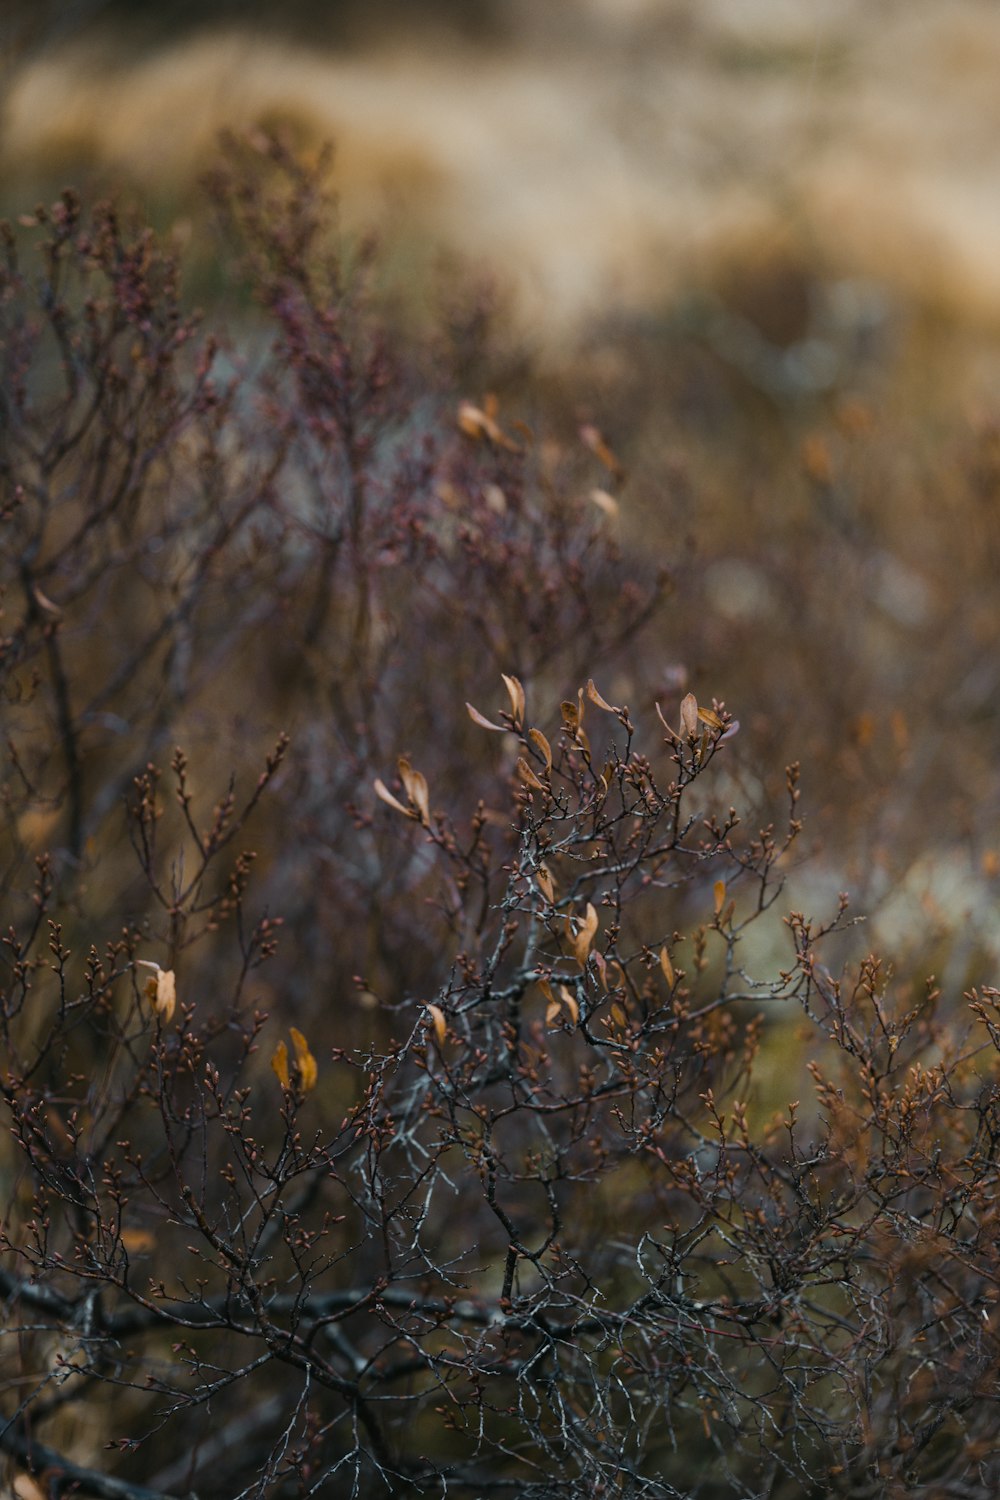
476 424
710 717
136 1241
160 990
440 1024
719 890
483 721
569 1000
516 693
667 967
279 1062
689 716
304 1061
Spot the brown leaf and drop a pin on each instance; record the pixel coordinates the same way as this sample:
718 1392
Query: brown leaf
719 892
528 776
710 717
545 883
381 790
538 739
416 789
689 716
672 734
483 721
591 438
595 697
516 694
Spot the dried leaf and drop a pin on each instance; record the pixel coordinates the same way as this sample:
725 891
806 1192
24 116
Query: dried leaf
136 1241
545 883
279 1062
605 502
516 694
476 424
595 697
381 790
552 1011
483 721
583 939
538 739
710 717
304 1061
546 989
719 890
667 967
160 990
528 776
689 716
591 438
570 1002
672 735
416 789
440 1024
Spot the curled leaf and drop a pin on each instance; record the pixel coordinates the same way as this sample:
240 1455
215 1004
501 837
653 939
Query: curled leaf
582 940
416 789
439 1023
528 776
595 697
591 438
516 693
477 423
381 790
304 1061
160 990
569 1001
540 743
672 735
710 717
483 721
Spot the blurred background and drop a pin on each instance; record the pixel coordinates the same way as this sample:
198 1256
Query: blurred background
757 241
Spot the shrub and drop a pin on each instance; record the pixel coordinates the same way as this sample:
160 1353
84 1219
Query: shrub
420 1147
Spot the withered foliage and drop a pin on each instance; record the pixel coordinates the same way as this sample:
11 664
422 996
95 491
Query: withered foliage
429 1144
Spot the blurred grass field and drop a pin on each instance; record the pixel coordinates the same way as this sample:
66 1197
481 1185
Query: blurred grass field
756 243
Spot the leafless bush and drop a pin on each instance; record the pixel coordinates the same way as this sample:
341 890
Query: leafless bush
419 1147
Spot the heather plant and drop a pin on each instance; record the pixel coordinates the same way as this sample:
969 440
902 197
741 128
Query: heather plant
385 1047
